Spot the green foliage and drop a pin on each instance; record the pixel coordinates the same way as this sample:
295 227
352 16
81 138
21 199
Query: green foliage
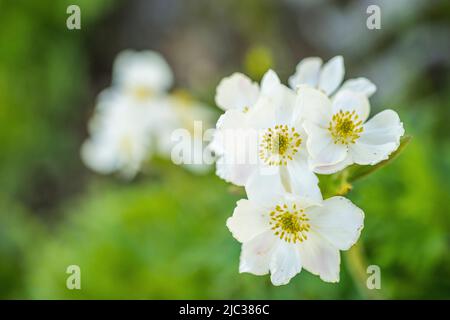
42 79
19 234
406 225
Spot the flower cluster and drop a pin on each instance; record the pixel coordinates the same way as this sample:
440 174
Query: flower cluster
273 139
135 117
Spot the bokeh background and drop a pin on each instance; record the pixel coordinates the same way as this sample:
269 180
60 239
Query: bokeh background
163 235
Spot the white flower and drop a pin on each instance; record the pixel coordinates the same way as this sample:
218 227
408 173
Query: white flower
142 75
119 136
282 233
265 142
338 134
328 77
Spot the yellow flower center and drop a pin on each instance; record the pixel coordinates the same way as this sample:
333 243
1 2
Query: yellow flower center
183 97
289 223
279 144
126 146
141 93
345 127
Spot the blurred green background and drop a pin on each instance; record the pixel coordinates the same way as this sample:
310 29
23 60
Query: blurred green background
163 235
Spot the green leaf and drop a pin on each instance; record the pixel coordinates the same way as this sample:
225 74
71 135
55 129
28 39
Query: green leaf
356 172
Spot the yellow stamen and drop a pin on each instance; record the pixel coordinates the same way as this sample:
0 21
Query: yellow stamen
289 223
279 144
345 127
141 93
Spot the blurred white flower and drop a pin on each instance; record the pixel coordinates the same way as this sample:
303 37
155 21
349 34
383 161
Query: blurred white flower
119 136
194 120
134 119
282 233
142 74
265 142
338 134
328 77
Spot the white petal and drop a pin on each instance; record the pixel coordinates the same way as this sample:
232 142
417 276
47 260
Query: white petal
234 141
233 165
332 75
148 69
285 102
313 106
368 154
322 148
380 137
347 100
384 127
300 201
280 98
236 92
248 221
257 253
333 168
360 85
263 114
228 170
98 157
306 72
270 83
274 109
217 142
338 220
285 263
232 119
265 187
332 154
318 138
320 257
302 180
